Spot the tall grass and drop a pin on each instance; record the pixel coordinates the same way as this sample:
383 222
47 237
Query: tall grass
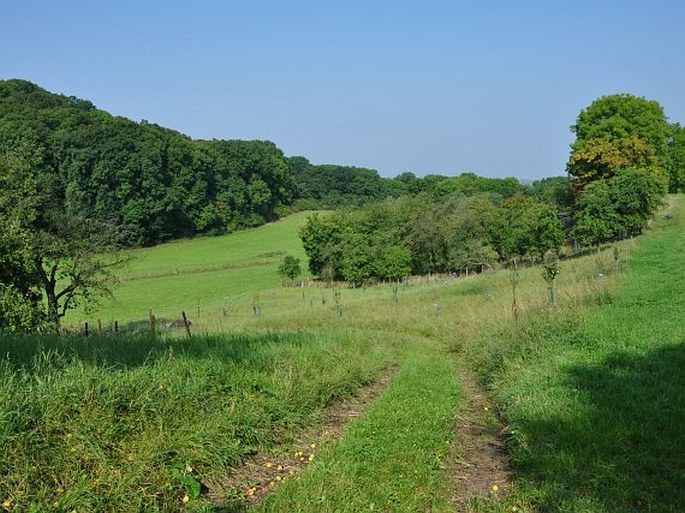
117 425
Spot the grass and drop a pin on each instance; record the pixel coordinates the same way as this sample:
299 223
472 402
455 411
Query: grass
391 459
115 425
590 389
200 273
594 395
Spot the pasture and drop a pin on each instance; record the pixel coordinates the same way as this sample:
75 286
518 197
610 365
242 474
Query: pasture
585 396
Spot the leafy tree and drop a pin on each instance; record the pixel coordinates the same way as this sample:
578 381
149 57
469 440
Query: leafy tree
157 183
676 171
290 268
393 263
53 254
528 228
321 237
617 207
556 190
617 132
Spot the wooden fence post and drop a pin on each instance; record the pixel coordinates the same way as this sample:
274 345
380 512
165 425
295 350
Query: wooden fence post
185 322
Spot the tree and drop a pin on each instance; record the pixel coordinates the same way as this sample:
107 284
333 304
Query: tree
596 219
393 263
50 254
617 132
527 228
290 268
676 171
617 207
321 237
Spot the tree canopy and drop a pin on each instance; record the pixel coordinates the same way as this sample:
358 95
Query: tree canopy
157 183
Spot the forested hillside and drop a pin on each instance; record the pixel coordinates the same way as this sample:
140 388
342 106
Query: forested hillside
157 183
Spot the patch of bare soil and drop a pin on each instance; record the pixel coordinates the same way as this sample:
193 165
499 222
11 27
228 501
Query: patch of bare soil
480 466
258 476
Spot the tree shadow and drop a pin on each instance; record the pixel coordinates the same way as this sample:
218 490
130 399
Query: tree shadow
623 447
30 352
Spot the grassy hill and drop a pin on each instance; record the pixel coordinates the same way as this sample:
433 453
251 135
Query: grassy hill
207 272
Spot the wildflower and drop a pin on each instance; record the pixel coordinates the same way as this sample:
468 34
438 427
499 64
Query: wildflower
268 464
313 446
7 505
186 498
279 468
311 457
495 488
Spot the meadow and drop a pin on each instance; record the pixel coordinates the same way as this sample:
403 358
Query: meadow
586 395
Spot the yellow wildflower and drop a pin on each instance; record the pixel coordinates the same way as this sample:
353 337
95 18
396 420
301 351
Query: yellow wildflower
186 498
495 488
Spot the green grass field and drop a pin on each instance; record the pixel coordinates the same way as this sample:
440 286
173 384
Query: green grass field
589 392
203 272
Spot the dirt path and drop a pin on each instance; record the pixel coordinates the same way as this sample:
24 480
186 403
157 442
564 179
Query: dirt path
480 466
257 477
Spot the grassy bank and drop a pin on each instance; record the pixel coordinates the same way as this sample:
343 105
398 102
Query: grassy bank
593 394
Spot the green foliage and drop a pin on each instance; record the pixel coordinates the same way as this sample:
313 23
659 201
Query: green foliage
617 207
49 254
290 268
618 132
620 163
332 186
156 183
422 235
321 237
556 190
527 228
676 171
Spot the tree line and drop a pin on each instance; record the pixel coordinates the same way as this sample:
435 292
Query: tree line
625 158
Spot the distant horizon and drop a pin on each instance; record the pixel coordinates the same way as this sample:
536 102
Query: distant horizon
440 88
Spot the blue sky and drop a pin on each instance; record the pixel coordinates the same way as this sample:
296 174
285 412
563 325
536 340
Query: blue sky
488 87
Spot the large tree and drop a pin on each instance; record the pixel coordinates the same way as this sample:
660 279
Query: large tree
617 132
51 259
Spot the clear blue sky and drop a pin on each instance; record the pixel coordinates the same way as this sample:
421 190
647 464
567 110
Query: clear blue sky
445 87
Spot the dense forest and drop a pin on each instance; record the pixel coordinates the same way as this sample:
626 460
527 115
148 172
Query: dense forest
78 184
